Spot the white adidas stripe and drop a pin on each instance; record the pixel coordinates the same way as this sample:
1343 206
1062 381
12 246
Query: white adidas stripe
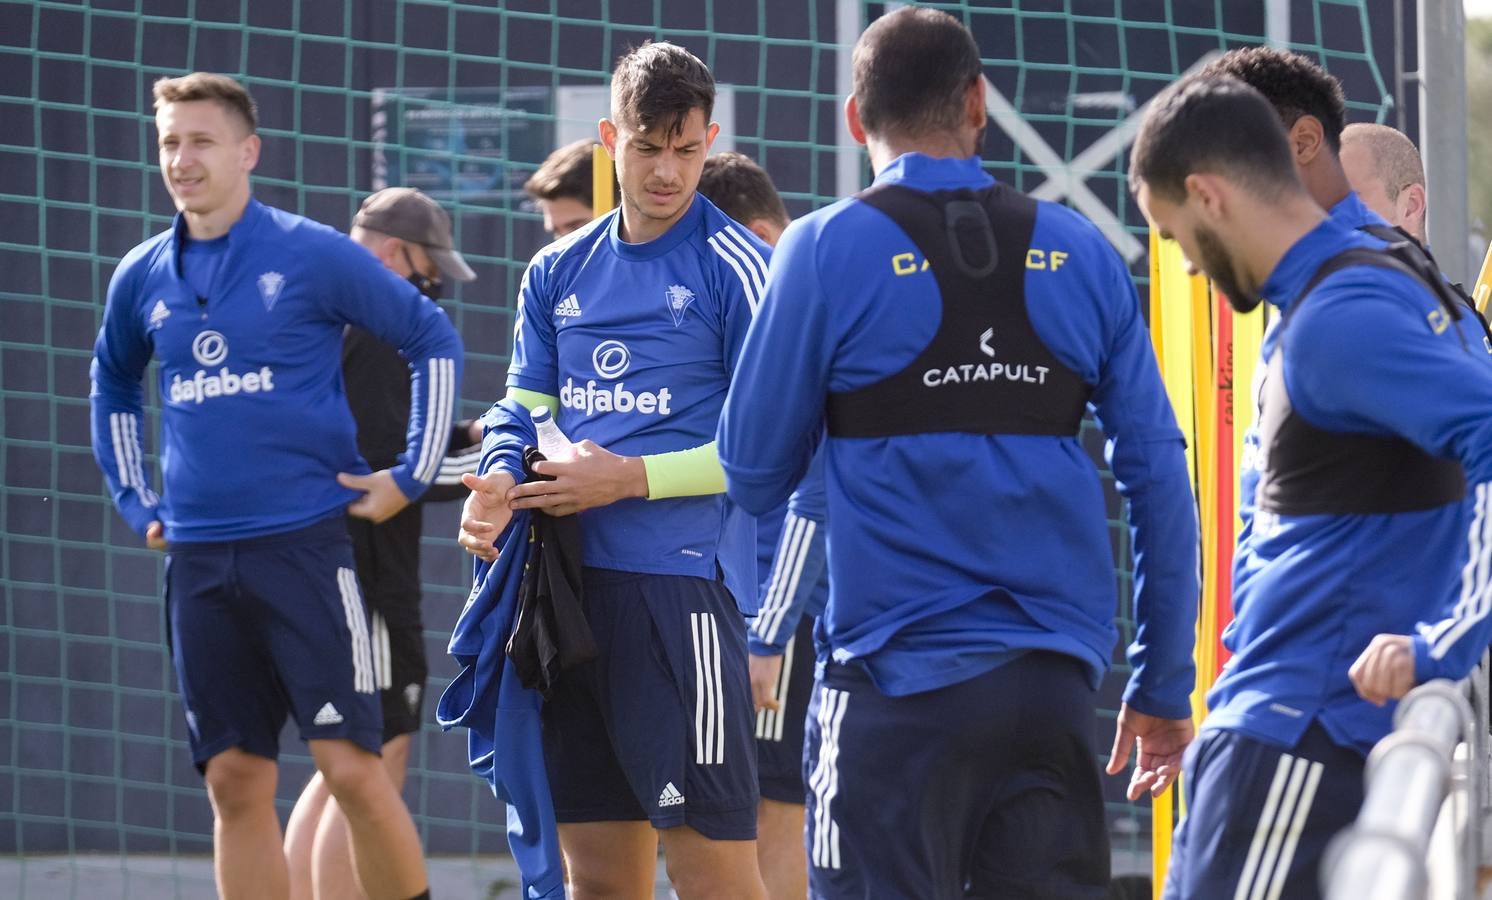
444 410
124 433
357 626
709 694
1476 579
1287 805
1476 546
440 393
769 722
755 265
731 256
794 575
824 782
1297 824
453 467
786 576
1277 828
383 658
1261 831
784 678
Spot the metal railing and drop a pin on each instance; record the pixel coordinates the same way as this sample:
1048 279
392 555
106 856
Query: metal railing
1410 776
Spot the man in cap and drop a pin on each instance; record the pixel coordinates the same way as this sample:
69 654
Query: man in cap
411 235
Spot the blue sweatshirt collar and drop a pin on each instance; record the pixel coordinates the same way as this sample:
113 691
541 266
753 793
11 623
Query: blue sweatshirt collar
1305 256
932 173
252 213
677 233
1351 212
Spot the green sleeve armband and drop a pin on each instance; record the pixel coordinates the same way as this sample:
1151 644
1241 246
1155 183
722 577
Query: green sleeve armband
685 473
531 399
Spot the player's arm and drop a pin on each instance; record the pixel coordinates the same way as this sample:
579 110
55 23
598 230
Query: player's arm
791 587
697 471
1145 450
1383 368
773 415
372 297
116 406
533 376
463 453
798 564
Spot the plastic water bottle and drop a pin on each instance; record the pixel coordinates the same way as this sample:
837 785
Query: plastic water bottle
552 442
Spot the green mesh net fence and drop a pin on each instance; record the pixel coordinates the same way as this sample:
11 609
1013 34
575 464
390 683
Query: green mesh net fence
463 99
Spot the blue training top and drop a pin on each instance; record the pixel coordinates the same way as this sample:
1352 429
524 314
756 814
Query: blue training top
254 421
1350 212
639 341
792 565
1362 356
950 552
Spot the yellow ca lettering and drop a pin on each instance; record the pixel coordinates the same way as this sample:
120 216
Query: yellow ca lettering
1035 259
1439 321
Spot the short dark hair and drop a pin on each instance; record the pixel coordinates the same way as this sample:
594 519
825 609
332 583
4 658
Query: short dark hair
1293 84
565 173
742 189
657 85
220 89
1214 125
912 68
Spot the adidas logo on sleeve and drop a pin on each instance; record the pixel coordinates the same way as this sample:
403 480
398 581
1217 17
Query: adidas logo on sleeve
568 308
328 715
670 796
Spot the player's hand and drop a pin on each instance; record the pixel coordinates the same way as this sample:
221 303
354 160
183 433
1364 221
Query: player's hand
1158 744
593 477
1385 670
485 513
381 498
155 536
765 670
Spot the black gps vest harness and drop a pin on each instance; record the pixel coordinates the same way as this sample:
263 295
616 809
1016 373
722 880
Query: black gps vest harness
985 371
1306 470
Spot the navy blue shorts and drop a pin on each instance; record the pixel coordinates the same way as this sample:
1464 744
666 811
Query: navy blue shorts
985 788
779 733
267 626
659 726
1259 817
388 571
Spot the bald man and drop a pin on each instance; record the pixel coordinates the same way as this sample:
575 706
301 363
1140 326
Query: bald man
1385 170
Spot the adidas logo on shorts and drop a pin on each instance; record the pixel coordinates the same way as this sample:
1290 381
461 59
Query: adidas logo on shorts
328 715
670 796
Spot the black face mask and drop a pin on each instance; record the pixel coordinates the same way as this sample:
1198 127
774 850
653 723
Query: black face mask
428 286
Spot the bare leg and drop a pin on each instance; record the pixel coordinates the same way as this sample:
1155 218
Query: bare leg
300 835
248 858
334 876
779 849
609 860
705 869
385 847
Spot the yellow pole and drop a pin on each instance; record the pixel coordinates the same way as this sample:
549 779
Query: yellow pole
1180 329
1482 291
603 200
